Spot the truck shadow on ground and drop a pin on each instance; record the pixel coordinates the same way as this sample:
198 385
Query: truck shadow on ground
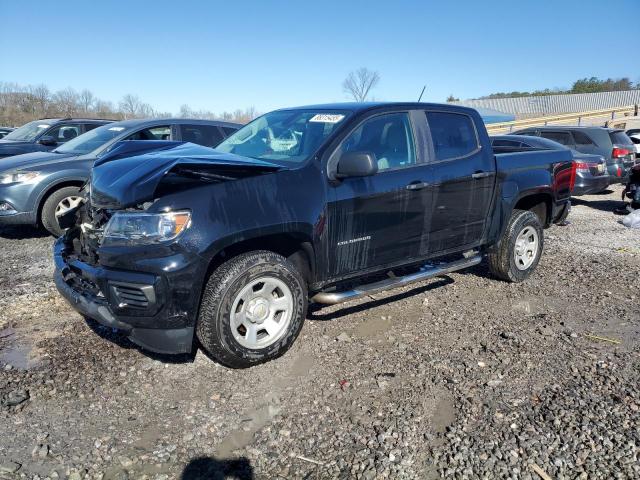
603 205
480 270
314 311
210 468
21 232
119 338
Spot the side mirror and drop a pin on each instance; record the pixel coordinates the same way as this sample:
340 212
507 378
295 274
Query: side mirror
357 164
47 141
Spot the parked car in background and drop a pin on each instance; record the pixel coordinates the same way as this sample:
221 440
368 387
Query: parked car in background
327 203
635 138
46 134
614 145
591 170
631 125
5 130
36 188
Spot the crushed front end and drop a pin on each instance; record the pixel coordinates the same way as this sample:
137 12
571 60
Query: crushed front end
136 253
146 292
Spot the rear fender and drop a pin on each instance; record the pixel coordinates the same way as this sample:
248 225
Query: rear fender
536 184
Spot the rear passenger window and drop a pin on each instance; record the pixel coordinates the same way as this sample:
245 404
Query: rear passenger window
206 135
453 134
619 138
582 139
561 137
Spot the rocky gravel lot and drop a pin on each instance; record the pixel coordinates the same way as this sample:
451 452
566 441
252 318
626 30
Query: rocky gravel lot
460 377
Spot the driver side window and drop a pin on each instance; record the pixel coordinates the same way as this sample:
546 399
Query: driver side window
388 137
64 133
154 133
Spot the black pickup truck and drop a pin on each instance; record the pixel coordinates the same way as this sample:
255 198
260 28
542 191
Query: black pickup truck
322 203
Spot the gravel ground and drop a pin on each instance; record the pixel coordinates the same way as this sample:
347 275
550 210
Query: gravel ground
463 376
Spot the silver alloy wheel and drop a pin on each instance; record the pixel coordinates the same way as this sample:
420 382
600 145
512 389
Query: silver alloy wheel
526 248
67 204
261 312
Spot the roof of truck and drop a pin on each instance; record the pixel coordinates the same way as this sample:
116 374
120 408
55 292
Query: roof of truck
362 106
488 115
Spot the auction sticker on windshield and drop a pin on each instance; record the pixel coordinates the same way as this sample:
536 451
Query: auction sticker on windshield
326 118
116 129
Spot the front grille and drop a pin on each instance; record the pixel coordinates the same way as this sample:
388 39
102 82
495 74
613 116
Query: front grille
130 295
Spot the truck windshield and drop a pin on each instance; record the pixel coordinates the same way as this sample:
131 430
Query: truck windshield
288 136
92 140
28 132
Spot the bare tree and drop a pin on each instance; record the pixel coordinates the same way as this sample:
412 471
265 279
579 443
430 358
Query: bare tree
185 111
359 83
20 104
87 100
41 98
130 106
67 101
103 109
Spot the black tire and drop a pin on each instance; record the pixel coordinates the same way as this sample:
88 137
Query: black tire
214 329
48 212
502 262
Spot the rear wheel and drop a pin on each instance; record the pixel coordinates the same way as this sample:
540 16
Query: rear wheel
520 247
58 203
252 309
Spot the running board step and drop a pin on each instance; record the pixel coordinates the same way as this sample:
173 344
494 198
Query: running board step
427 271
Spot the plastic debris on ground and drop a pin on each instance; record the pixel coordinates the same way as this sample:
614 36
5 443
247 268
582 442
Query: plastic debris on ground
632 220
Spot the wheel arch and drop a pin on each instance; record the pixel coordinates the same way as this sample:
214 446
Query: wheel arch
51 188
295 246
539 202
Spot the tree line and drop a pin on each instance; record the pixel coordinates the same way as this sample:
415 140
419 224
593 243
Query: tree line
20 104
583 85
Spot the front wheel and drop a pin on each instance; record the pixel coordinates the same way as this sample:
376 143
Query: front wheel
252 309
520 247
57 204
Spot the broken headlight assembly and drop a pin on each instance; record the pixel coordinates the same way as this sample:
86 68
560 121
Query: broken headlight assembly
17 177
139 228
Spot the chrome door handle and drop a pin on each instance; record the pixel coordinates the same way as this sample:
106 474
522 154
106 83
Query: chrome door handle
478 175
417 185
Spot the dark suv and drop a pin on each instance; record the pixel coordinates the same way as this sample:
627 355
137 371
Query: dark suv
613 144
46 134
4 131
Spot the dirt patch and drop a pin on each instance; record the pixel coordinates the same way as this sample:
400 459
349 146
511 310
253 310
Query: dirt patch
459 376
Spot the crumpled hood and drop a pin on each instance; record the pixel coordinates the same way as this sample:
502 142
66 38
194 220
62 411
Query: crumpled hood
32 160
121 181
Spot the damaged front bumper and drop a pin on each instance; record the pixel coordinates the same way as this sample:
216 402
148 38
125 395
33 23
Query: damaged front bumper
135 303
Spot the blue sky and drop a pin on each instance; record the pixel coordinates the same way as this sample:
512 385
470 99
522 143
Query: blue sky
268 54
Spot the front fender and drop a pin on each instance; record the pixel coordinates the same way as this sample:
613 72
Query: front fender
299 230
50 182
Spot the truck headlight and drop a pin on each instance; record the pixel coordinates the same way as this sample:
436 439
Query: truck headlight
17 177
140 228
